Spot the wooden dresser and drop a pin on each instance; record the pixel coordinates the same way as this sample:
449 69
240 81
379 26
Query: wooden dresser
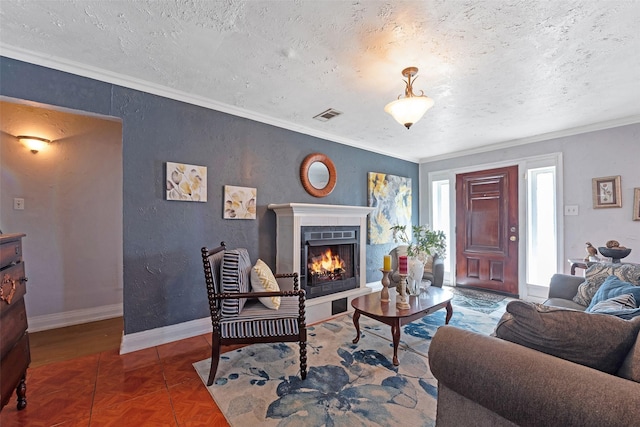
14 341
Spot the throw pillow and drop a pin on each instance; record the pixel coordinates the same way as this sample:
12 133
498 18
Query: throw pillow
428 265
235 274
621 302
611 288
262 280
597 273
595 340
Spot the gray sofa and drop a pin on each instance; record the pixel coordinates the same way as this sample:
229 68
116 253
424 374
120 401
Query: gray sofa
489 381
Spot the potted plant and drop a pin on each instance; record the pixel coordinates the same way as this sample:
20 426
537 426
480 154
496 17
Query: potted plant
424 242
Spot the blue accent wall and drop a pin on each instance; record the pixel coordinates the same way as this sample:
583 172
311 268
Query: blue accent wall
163 278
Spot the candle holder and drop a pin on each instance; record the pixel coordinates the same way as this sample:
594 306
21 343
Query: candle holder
384 294
401 299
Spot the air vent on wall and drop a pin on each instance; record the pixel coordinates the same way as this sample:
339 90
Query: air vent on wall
327 115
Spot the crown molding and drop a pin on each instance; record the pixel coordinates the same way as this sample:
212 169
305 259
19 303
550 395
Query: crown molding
106 76
537 138
83 70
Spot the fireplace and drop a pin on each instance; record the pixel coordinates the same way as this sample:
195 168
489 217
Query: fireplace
329 260
303 228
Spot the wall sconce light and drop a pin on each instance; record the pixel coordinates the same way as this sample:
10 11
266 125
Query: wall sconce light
33 143
411 108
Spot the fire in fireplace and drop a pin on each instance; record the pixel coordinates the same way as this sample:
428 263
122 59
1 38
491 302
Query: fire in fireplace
326 266
330 260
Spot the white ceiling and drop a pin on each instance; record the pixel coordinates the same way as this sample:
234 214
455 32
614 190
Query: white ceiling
500 72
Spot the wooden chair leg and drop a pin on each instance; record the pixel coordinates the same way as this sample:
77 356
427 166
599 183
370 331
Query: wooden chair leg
303 359
215 358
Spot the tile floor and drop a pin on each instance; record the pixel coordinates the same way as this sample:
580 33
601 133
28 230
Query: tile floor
152 387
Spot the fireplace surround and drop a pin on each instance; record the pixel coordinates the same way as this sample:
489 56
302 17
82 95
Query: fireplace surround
324 226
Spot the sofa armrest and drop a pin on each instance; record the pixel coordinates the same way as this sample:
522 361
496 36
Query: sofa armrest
528 387
564 286
437 272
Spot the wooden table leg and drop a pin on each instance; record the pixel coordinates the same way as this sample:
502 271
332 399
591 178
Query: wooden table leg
21 392
449 313
356 323
395 333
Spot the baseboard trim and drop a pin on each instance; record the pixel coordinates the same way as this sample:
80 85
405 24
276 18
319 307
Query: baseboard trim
74 317
166 334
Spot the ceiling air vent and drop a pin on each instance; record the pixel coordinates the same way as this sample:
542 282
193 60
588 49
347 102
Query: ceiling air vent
327 115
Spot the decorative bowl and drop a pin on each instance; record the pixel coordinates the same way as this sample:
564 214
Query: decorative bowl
614 254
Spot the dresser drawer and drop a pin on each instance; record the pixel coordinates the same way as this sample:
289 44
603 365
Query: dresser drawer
14 323
12 367
13 286
10 252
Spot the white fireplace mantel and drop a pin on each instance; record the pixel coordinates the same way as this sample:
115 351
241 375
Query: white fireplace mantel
291 217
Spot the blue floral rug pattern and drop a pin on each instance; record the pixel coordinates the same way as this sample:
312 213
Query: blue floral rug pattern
347 384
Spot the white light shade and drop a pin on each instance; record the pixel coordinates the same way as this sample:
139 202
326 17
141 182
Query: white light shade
408 111
33 143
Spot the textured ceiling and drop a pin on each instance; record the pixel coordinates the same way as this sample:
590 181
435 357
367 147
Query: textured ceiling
500 72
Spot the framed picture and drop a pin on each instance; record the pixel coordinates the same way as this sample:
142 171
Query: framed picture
187 183
636 204
606 192
390 196
239 202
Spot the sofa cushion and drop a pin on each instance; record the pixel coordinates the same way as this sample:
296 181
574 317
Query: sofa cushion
630 368
596 340
428 265
596 274
235 274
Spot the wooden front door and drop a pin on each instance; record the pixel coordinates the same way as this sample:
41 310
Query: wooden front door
487 230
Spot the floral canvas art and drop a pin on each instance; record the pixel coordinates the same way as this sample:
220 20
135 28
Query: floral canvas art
390 196
187 183
239 202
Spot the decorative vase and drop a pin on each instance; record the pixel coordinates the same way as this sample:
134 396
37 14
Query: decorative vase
415 272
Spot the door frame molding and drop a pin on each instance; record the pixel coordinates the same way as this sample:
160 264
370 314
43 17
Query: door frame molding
525 290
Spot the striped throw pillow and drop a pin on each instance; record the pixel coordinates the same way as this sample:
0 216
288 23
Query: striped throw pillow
235 274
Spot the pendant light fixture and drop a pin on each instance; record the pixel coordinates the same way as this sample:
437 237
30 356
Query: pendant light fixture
411 108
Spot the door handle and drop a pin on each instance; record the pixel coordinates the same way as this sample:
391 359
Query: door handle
512 238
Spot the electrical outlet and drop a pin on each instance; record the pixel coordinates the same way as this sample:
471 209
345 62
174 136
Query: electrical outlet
571 210
18 204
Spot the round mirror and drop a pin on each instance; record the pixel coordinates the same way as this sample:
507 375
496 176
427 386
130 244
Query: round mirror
318 175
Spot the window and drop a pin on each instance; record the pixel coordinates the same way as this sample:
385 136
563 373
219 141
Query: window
441 217
541 225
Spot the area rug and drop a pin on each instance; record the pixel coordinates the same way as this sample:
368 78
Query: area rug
484 302
347 384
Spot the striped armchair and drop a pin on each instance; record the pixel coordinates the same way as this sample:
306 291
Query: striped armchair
238 317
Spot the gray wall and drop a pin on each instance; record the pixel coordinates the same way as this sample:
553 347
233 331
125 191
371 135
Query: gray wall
163 279
608 152
73 208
